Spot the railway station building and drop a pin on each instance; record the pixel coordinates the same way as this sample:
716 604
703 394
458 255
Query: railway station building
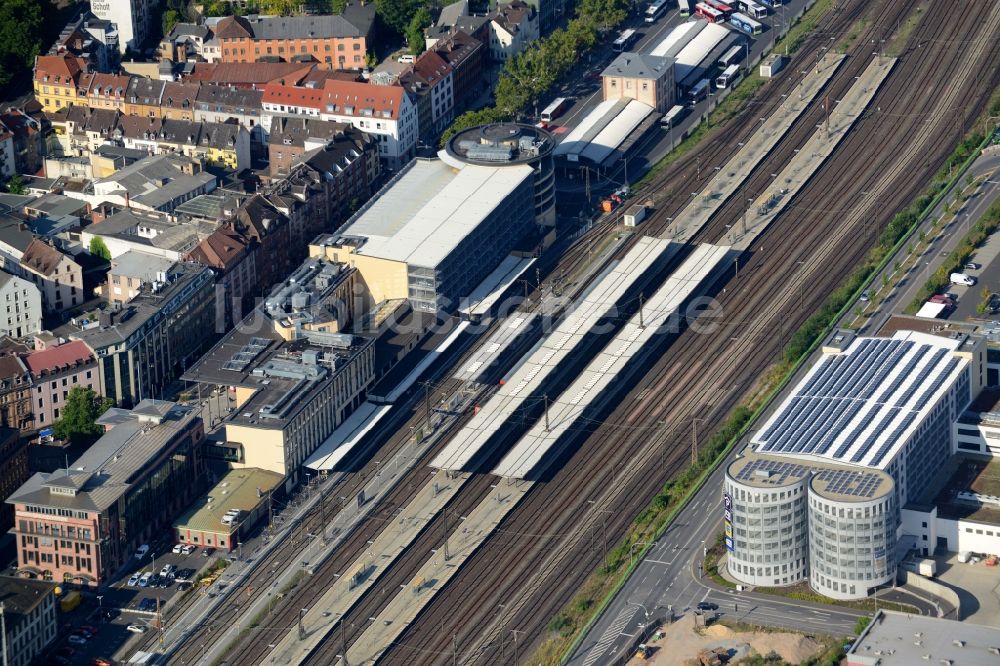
833 483
436 230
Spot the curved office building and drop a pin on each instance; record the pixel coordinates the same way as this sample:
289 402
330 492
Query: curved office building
766 528
852 533
511 143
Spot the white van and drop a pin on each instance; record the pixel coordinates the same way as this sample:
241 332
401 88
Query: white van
407 59
962 278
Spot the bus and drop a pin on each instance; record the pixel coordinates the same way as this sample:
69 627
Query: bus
655 10
731 56
699 91
721 6
746 24
673 116
555 109
771 3
752 9
624 41
729 76
684 7
710 14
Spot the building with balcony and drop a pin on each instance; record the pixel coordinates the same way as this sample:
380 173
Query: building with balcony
80 525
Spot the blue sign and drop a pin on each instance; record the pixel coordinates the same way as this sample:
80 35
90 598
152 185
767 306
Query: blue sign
729 544
45 433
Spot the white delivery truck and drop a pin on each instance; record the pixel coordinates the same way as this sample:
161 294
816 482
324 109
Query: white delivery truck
962 278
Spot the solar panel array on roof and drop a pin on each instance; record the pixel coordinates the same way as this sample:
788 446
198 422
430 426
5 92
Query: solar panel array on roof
856 483
860 400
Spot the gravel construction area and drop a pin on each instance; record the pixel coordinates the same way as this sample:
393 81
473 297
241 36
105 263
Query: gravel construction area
682 642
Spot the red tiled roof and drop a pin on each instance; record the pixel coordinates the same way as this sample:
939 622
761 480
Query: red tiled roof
431 67
233 27
41 257
275 93
109 85
384 101
249 73
219 250
54 358
66 66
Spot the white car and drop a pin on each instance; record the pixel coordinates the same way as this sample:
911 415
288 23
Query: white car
76 639
134 579
136 628
188 549
178 548
141 551
167 570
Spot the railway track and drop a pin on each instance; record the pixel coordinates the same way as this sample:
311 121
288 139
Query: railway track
511 569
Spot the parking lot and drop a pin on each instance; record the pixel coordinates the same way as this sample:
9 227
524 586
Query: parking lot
978 587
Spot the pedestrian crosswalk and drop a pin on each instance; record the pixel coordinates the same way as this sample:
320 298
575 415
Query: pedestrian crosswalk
609 636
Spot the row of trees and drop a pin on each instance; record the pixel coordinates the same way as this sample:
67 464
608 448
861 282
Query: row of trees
20 37
527 77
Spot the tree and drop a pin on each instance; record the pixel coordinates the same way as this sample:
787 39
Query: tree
415 31
171 17
397 14
99 249
338 6
79 415
15 185
20 36
217 8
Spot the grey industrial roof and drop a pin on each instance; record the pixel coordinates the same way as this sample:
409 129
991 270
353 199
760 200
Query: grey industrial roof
157 180
637 65
900 638
139 265
142 308
106 470
426 211
859 406
317 26
242 489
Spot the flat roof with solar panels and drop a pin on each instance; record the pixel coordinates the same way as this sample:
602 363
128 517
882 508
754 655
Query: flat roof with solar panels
829 479
860 405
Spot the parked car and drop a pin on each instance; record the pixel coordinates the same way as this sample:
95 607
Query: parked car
973 266
145 578
141 551
188 549
89 629
208 552
136 628
167 570
134 579
178 548
77 639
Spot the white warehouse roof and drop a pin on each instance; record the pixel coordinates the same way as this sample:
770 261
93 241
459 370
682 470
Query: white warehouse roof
678 38
699 48
603 130
861 405
426 211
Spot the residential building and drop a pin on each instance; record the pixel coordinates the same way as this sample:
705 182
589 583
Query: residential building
436 230
13 467
233 258
336 41
296 373
15 388
30 620
385 112
186 41
246 76
151 233
243 492
290 138
57 275
157 183
133 18
147 343
133 271
15 237
864 433
57 81
94 40
430 81
79 131
646 78
143 97
55 371
80 525
107 91
512 28
466 56
225 104
268 227
179 99
23 301
23 141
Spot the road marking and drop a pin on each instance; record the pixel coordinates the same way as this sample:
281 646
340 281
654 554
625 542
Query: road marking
610 635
